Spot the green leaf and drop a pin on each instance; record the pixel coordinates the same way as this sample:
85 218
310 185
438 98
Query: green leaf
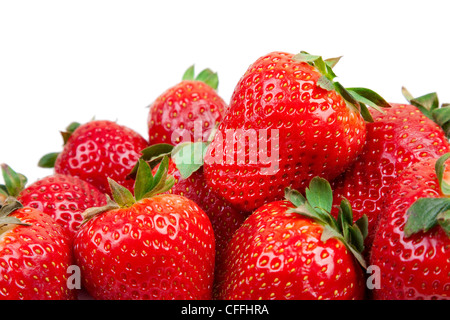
332 62
48 160
330 233
162 181
365 113
359 257
369 97
356 238
121 195
152 155
346 211
343 225
440 169
443 219
8 207
330 73
209 77
307 211
313 60
14 182
189 73
144 180
295 197
428 101
303 56
94 211
3 193
351 101
12 220
69 130
161 173
319 194
408 96
363 225
422 215
325 83
72 127
188 157
442 117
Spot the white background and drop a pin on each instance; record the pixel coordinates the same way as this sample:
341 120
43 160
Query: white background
64 61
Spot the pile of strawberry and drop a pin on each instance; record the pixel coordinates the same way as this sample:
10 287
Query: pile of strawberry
299 188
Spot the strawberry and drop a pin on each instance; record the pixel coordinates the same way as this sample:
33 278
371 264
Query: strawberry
299 123
174 115
400 136
35 254
62 197
150 246
97 150
294 249
411 246
224 218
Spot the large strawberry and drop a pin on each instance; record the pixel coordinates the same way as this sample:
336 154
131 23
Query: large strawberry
63 197
150 246
411 247
190 183
187 111
35 255
294 249
299 124
97 150
399 136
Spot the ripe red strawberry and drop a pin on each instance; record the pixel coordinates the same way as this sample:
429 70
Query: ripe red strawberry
400 136
175 113
412 241
62 197
299 123
97 150
35 254
294 249
148 247
224 218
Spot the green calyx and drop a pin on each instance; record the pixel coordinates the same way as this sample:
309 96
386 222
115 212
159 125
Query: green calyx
356 98
8 206
207 76
14 182
49 159
146 185
153 156
317 205
187 156
426 213
429 105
